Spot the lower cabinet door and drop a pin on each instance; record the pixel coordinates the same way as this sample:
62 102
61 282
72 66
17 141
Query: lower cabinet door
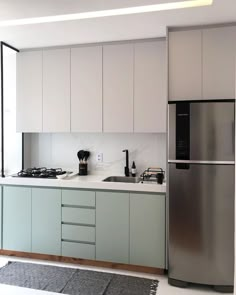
112 227
16 218
46 221
147 230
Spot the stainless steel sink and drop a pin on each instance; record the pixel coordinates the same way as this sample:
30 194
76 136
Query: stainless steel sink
122 179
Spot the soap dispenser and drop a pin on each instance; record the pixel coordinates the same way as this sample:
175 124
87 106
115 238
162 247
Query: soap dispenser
133 169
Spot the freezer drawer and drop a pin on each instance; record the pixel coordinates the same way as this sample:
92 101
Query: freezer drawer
201 224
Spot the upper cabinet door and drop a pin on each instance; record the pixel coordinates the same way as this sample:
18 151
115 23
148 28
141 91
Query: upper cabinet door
29 92
56 90
86 89
118 85
150 87
219 51
185 65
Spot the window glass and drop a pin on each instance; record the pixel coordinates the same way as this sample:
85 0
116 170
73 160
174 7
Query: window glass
12 151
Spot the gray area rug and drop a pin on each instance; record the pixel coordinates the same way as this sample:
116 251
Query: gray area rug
74 281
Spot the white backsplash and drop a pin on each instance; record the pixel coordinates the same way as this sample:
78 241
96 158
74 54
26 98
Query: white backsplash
60 150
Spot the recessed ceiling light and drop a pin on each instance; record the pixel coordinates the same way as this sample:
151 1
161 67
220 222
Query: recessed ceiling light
104 13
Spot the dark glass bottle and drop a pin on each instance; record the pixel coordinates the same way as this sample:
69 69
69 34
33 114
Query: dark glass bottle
133 169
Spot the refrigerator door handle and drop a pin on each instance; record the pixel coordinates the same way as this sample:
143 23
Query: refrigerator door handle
202 162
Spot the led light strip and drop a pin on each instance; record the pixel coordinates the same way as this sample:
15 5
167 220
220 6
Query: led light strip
105 13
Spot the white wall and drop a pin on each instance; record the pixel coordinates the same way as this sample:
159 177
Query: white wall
60 150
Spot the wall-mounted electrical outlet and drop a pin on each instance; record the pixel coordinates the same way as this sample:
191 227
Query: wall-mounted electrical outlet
99 157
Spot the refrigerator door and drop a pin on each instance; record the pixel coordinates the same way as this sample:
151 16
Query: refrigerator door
201 223
201 131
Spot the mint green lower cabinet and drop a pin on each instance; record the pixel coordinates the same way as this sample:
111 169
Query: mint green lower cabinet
119 227
147 230
112 227
17 218
46 221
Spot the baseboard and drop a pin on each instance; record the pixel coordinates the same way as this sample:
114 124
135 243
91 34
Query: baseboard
120 266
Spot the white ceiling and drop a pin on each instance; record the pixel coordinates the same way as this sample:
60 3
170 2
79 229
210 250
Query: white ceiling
127 27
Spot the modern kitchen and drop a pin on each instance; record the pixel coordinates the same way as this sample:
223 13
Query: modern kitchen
117 147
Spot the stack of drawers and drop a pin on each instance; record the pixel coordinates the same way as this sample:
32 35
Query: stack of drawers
78 224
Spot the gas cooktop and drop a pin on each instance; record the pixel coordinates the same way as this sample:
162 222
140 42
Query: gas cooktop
41 172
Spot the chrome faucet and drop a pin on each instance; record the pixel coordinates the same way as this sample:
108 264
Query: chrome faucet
127 162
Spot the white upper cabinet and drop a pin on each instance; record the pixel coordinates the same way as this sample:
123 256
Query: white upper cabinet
29 92
150 97
185 65
219 51
86 89
118 66
56 90
108 88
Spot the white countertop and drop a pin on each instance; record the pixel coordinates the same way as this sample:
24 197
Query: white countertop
84 182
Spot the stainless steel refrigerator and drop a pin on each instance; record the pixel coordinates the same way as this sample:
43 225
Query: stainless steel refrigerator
201 193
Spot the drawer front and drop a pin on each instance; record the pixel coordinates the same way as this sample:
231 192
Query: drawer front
78 233
78 215
78 198
78 250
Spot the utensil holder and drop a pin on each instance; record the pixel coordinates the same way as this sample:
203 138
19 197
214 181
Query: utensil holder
83 169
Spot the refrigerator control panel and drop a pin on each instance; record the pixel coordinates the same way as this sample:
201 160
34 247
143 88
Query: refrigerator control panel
183 134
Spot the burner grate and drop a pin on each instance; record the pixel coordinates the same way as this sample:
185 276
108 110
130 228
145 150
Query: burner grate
41 172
